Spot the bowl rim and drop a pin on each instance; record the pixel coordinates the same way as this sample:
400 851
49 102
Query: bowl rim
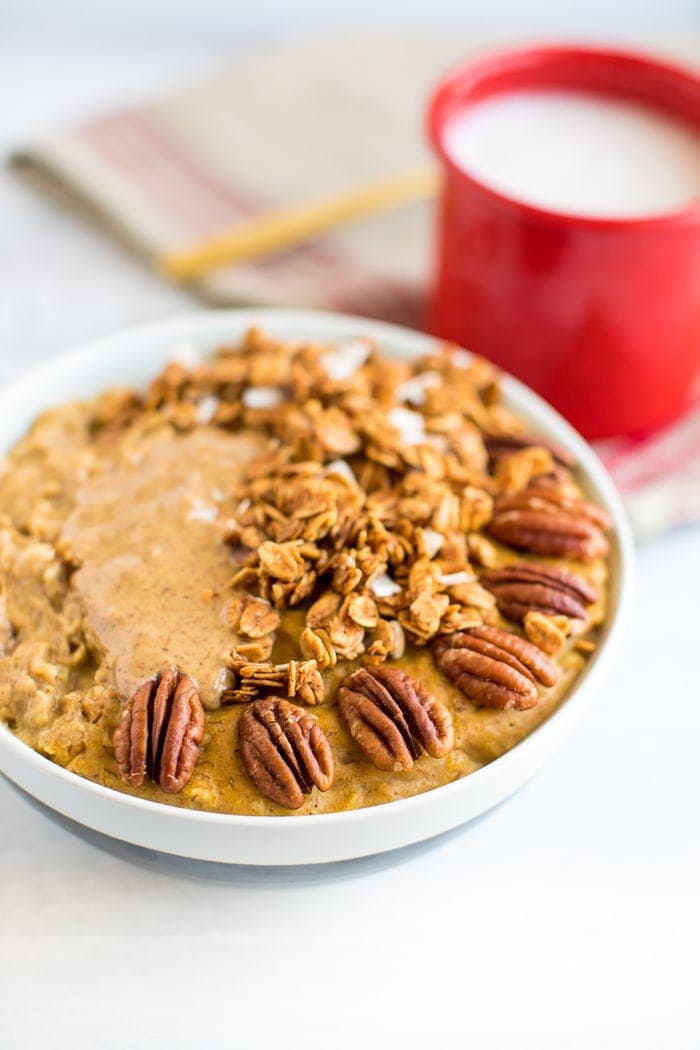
334 326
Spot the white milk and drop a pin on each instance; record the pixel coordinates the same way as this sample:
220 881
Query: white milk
573 152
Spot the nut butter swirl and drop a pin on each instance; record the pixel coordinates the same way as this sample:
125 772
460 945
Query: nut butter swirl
153 572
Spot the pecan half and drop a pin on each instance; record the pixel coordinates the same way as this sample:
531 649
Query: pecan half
494 668
160 731
526 586
284 750
393 718
545 520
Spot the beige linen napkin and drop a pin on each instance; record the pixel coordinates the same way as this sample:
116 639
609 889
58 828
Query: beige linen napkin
291 124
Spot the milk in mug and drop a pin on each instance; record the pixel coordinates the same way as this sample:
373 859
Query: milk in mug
578 153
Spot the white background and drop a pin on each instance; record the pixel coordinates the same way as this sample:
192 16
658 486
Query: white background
567 918
243 20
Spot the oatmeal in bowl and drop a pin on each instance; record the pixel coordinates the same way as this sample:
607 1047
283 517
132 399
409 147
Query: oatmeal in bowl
296 577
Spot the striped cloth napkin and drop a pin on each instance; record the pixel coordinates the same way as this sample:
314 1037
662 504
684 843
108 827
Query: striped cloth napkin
658 475
294 124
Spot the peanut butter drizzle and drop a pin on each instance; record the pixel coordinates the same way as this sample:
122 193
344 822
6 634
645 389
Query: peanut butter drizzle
153 574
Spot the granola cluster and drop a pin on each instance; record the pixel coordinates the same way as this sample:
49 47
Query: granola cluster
362 506
372 503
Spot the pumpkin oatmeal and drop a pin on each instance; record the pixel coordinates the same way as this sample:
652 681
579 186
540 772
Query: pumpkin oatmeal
292 578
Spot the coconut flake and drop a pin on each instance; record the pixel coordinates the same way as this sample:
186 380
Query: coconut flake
262 396
433 541
186 354
342 469
413 390
206 409
384 587
452 579
438 441
411 425
343 360
202 512
461 358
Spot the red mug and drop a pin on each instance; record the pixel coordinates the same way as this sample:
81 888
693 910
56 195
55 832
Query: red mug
600 316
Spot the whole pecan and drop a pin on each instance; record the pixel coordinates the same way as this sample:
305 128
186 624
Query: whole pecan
160 731
284 750
547 520
393 718
526 586
494 668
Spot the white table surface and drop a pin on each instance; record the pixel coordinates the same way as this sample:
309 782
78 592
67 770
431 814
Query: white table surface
567 918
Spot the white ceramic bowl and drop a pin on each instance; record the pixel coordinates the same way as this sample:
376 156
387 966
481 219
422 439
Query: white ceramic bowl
135 356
